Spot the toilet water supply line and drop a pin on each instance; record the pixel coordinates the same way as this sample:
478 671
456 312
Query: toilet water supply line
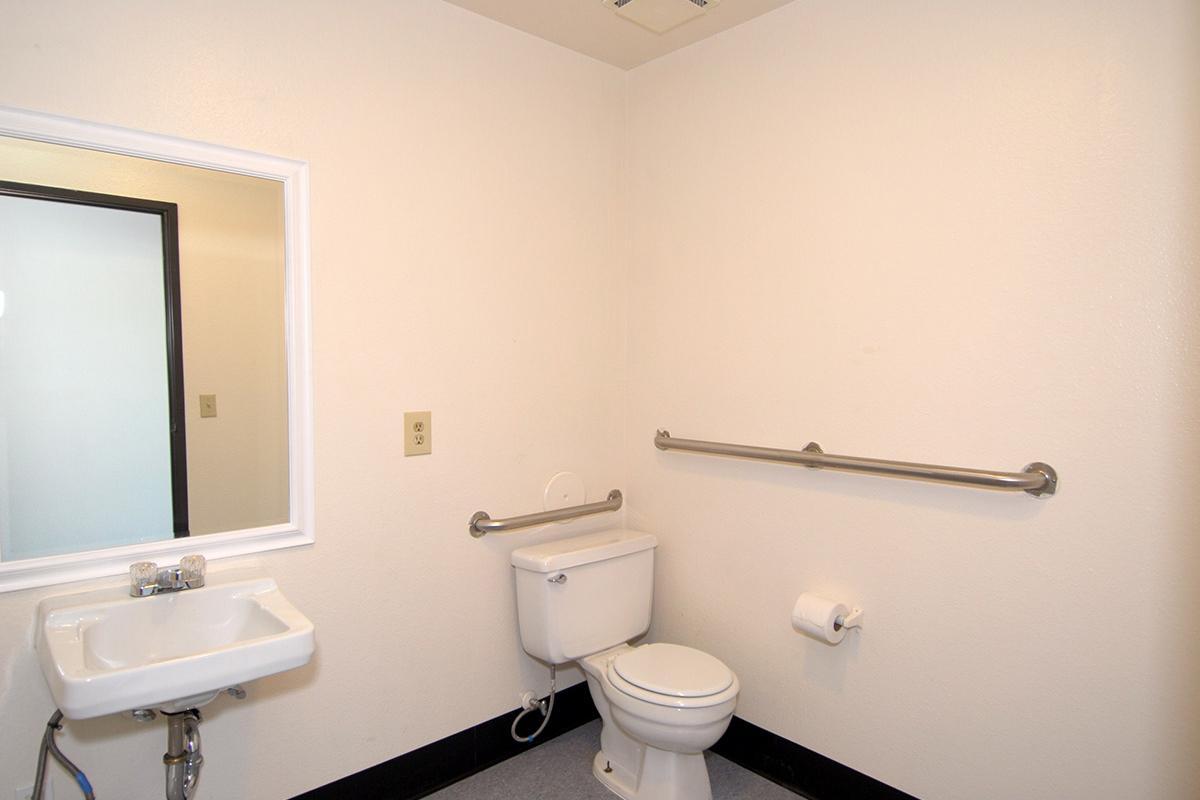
545 706
51 747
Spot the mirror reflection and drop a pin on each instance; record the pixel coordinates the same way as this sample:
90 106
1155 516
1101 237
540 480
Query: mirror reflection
85 354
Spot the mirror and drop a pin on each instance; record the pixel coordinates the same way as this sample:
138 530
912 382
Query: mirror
208 420
92 431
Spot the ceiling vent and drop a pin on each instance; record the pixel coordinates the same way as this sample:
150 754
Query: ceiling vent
660 16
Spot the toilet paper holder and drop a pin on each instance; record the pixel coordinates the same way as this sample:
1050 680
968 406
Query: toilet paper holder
823 619
851 620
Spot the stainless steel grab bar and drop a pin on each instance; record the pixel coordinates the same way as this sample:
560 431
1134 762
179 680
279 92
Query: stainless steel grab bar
1037 479
481 523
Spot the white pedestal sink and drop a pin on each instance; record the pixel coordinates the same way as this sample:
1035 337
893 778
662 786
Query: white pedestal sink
104 651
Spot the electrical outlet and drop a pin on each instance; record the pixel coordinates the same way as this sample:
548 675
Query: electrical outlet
208 405
418 433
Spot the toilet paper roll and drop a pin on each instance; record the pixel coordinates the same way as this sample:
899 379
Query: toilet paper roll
816 616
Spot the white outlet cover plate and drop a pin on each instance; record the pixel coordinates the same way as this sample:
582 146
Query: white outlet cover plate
564 489
411 418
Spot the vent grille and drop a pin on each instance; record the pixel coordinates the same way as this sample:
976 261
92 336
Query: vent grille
660 16
623 3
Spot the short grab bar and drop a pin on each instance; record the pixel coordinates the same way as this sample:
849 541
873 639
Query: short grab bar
482 523
1037 479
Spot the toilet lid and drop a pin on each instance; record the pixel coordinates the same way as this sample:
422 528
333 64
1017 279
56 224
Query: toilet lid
674 670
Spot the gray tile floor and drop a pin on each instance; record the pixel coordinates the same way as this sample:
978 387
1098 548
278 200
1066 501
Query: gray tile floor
562 769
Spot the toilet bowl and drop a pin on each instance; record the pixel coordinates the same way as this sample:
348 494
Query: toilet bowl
652 740
661 705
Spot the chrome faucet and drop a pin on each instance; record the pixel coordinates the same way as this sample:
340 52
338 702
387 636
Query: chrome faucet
145 577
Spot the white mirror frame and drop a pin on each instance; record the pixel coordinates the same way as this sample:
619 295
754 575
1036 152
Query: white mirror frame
293 175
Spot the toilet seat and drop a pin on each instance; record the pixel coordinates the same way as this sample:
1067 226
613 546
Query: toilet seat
673 669
672 675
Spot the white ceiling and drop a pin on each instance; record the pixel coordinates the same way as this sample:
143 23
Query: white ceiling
594 29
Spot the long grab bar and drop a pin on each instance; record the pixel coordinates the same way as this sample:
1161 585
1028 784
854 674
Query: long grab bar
481 523
1037 479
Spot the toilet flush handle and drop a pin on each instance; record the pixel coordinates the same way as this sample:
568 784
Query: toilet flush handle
560 578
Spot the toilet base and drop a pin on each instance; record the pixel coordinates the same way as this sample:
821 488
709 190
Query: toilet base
664 776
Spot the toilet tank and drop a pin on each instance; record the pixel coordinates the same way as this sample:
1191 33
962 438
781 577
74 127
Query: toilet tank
578 596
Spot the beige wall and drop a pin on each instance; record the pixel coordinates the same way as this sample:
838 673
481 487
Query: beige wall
231 286
962 233
464 184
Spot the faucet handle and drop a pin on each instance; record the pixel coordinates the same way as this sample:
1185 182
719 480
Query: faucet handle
143 577
191 570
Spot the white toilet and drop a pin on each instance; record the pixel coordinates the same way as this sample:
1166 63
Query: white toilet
661 705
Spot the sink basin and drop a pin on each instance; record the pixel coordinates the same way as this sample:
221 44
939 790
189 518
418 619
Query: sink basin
104 651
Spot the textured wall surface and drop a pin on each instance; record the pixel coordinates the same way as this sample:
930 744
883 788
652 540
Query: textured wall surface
962 233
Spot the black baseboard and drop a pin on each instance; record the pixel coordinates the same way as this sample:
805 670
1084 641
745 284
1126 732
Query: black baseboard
797 768
435 766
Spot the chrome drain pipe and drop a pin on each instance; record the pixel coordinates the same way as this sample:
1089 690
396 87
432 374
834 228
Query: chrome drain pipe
183 759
